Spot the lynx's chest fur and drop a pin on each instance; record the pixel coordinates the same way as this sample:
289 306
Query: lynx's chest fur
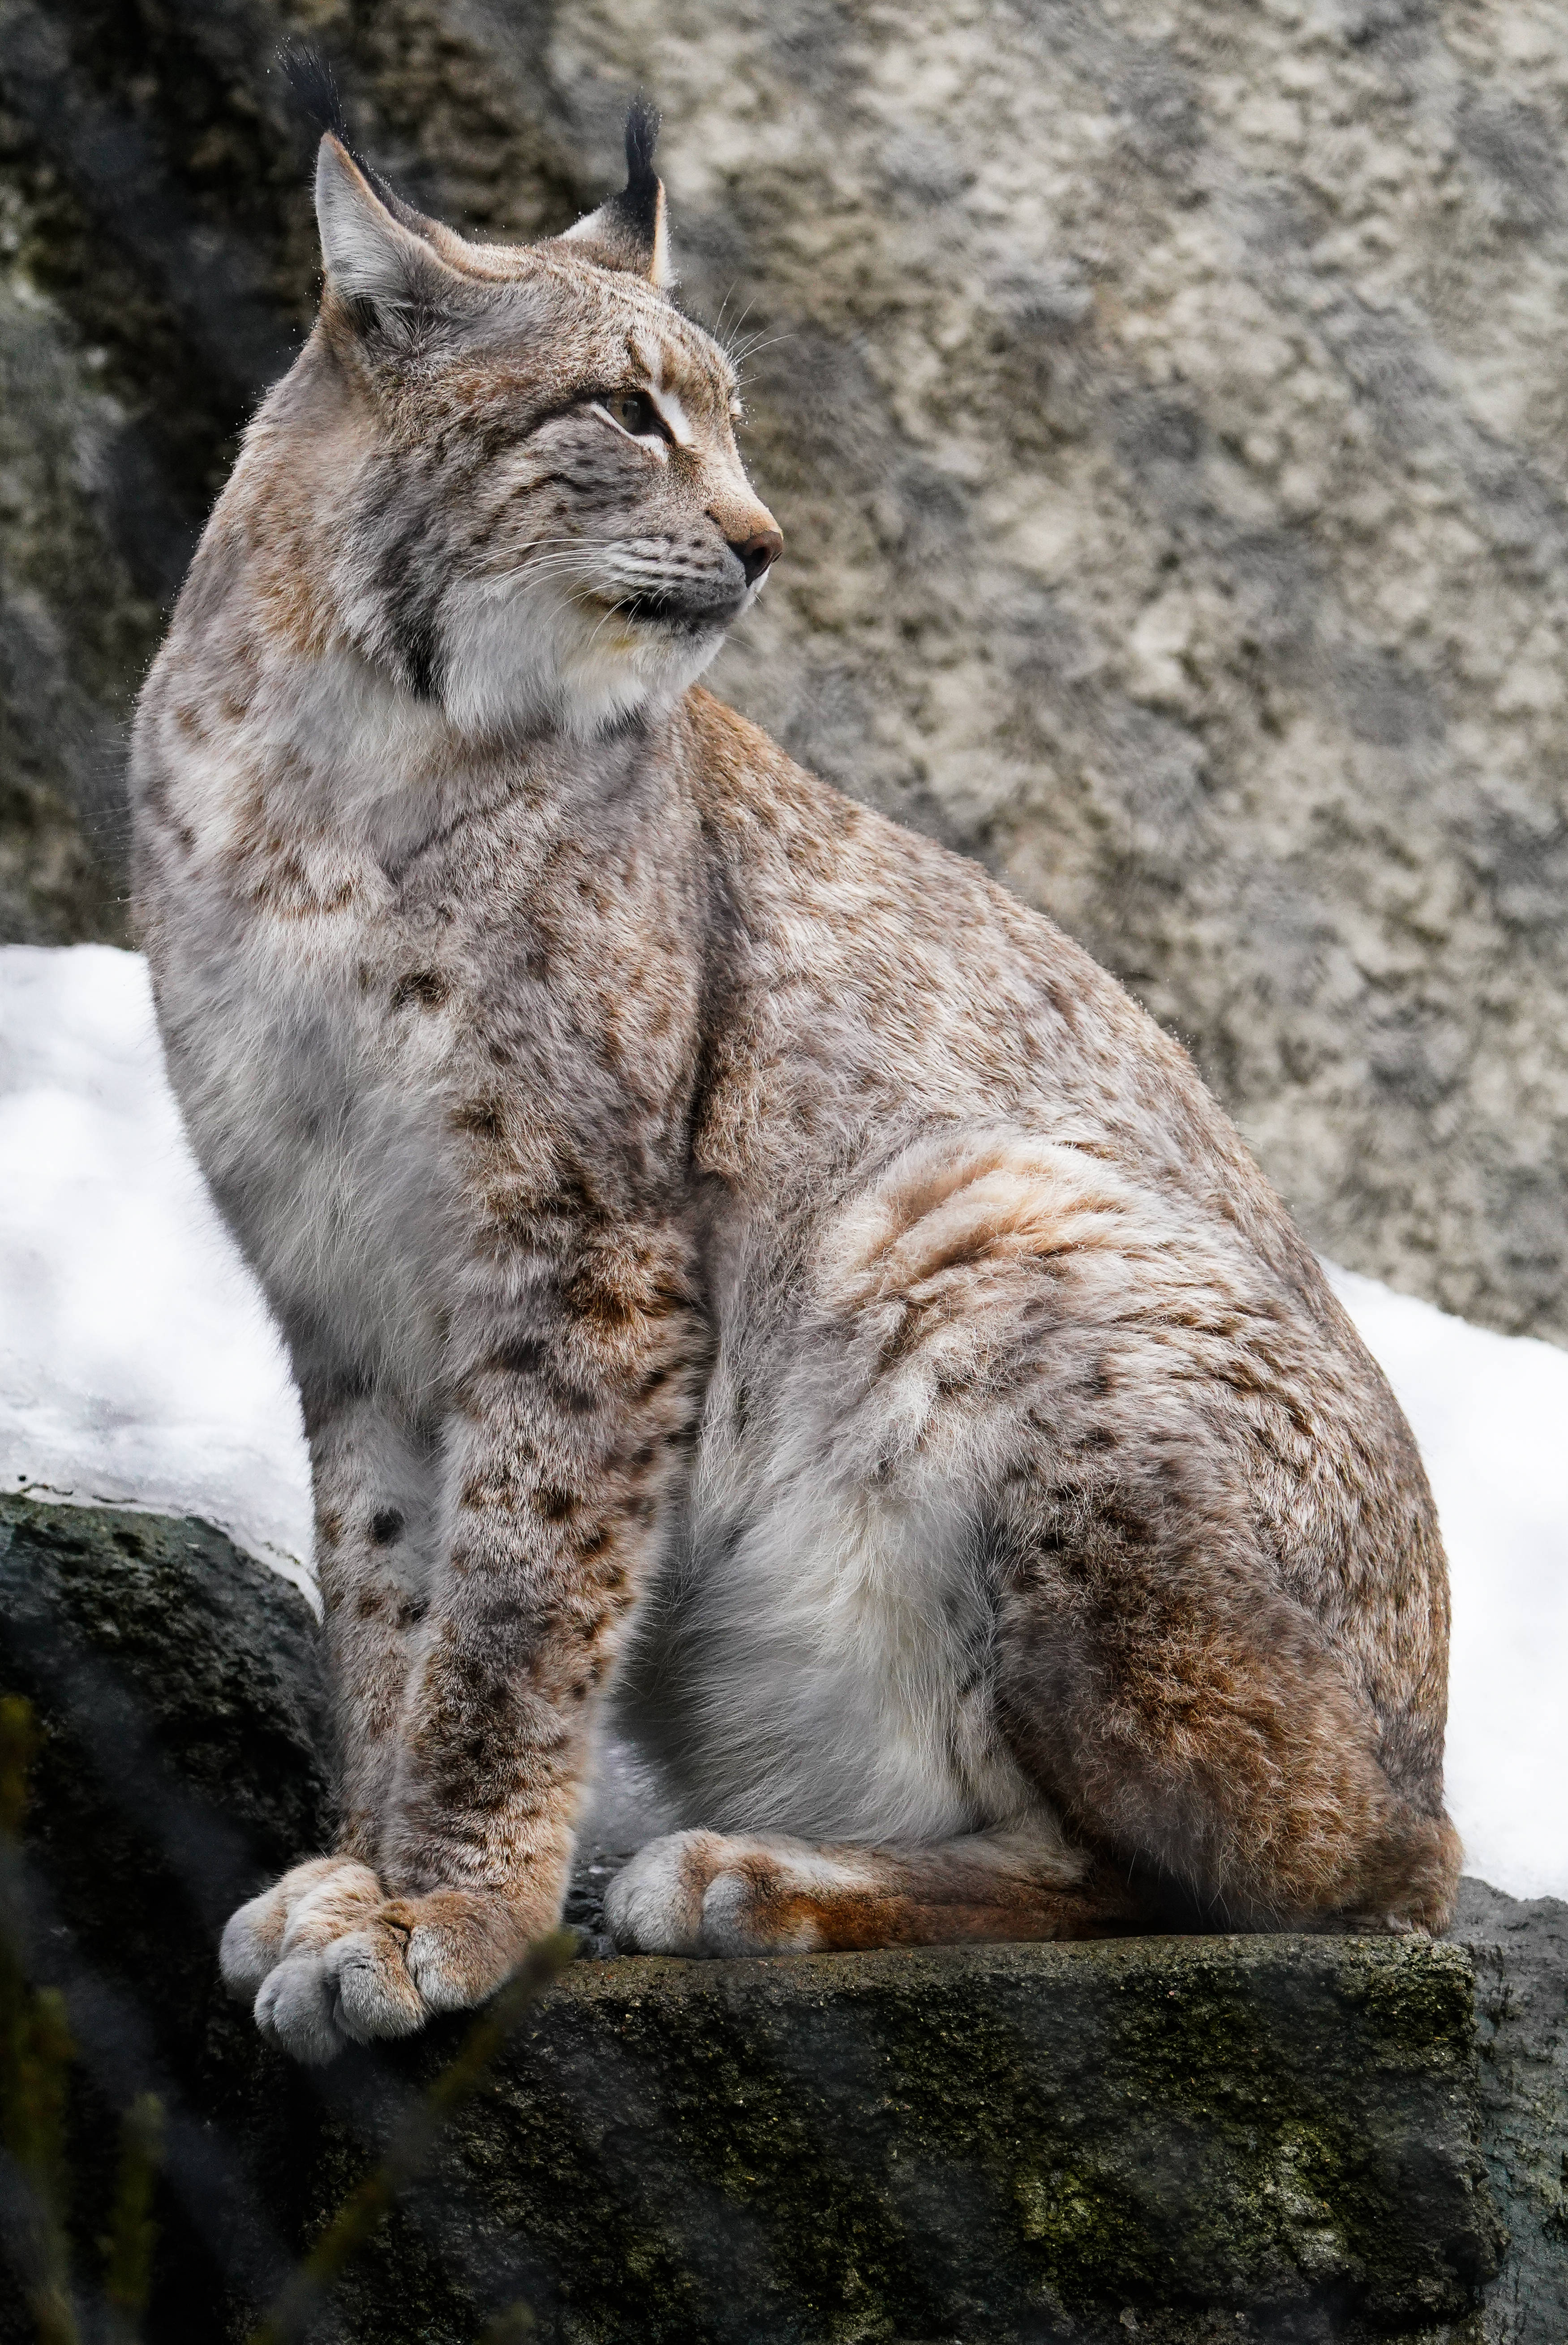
394 1016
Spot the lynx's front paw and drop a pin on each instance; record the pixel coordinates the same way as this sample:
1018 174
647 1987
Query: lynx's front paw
701 1893
394 1963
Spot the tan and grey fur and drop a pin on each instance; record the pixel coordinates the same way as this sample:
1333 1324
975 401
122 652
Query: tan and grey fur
740 1267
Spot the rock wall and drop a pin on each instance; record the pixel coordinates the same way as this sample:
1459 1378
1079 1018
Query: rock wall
1302 2140
1164 409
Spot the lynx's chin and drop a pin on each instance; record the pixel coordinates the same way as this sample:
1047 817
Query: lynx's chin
539 655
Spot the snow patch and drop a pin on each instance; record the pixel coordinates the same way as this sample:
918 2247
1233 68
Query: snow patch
1490 1414
139 1363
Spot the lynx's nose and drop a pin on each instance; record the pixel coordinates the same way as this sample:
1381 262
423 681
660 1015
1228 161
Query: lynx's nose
758 553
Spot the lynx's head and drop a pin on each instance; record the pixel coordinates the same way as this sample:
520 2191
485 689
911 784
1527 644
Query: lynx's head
519 461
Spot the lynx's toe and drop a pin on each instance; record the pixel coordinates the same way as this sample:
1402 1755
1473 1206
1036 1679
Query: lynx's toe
297 2007
367 1977
354 1990
654 1905
416 1957
254 1937
251 1942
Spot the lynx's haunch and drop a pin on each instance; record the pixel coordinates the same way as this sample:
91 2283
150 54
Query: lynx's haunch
741 1267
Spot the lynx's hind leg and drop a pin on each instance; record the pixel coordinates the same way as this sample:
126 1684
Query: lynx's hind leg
703 1892
1201 1728
1220 1614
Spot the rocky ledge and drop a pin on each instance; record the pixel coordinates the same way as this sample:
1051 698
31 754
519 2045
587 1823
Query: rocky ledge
1289 2138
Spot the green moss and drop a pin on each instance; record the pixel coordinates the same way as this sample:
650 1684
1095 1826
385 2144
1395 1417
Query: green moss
886 2146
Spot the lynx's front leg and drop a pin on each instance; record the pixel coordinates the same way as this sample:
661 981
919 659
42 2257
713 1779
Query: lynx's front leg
557 1459
375 1474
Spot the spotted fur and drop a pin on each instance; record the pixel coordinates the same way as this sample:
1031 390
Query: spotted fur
739 1265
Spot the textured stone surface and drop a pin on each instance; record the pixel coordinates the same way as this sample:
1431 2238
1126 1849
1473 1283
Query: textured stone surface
1005 2143
179 1689
73 633
1284 2138
1520 1957
1165 408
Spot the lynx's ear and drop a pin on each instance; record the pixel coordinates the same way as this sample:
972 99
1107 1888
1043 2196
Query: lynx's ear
369 255
628 232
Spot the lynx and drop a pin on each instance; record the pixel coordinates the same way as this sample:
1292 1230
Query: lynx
748 1276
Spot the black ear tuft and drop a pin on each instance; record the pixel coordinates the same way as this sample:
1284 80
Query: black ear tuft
628 231
640 201
309 78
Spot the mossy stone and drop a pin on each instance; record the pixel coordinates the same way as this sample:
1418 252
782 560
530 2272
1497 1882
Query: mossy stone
1296 2139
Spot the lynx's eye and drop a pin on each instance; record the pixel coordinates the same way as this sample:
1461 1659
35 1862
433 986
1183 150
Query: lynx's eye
635 411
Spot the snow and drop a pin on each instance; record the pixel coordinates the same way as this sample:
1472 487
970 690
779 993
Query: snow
1490 1414
138 1363
139 1366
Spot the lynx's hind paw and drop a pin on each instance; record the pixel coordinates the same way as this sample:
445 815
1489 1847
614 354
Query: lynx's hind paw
700 1892
254 1937
703 1892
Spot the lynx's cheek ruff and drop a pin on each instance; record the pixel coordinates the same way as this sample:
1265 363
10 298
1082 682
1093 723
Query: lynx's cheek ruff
745 1274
